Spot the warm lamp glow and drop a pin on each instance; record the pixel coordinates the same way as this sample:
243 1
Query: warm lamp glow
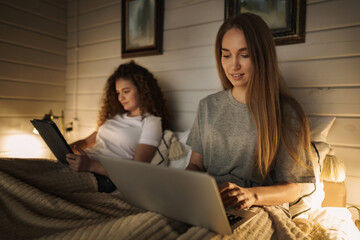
25 146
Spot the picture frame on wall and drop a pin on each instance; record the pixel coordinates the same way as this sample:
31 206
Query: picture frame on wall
142 28
286 18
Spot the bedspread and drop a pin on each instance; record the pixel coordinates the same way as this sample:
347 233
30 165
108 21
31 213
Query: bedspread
46 200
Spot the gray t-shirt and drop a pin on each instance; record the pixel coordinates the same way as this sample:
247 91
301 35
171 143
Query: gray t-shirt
225 134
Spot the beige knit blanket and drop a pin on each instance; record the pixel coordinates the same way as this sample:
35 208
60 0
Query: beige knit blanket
43 199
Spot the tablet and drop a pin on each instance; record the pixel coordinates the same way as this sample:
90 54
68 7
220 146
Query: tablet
53 138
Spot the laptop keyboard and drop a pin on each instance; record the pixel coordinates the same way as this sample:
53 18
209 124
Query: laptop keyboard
233 219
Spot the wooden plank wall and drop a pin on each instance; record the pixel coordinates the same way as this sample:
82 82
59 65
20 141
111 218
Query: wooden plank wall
323 73
32 68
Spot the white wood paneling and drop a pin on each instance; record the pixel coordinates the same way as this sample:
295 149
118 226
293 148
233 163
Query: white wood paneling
86 85
39 8
85 101
329 44
72 9
32 70
95 52
108 32
329 101
189 79
103 16
10 15
31 74
351 158
332 14
20 124
72 23
191 37
352 186
11 53
10 34
90 117
186 101
178 39
173 60
323 73
193 14
336 72
22 89
93 69
173 4
94 5
345 131
29 106
16 124
86 131
330 59
57 3
85 118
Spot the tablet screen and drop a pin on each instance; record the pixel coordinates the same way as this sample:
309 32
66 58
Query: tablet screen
53 138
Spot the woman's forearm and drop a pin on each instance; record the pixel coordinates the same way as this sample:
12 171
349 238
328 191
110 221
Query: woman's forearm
78 144
196 162
97 167
276 194
84 143
194 167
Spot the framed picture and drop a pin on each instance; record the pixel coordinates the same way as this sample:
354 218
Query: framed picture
286 18
142 28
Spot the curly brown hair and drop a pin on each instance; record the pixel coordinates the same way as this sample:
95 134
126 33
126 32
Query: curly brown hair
151 97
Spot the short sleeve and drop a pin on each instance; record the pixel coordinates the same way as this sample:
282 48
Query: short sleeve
151 131
288 169
194 139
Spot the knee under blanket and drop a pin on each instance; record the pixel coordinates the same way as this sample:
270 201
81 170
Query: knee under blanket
46 200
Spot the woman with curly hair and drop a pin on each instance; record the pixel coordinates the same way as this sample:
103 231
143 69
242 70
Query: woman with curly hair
130 123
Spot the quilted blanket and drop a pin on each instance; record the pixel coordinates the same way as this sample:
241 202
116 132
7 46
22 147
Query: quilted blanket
42 199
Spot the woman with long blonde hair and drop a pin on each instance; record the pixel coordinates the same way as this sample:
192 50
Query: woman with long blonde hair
253 136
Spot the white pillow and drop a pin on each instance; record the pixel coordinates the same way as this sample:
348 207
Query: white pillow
168 149
320 127
319 130
312 195
182 162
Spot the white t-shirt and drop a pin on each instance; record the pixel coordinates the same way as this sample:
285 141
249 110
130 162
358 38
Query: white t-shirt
120 136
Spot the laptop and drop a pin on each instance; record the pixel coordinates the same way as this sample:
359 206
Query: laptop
52 136
187 196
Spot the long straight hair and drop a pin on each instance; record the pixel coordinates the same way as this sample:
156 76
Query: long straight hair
266 94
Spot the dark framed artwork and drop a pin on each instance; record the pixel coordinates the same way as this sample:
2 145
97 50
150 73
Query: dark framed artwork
142 28
286 18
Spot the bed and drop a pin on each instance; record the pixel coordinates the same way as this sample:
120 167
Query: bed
65 205
43 199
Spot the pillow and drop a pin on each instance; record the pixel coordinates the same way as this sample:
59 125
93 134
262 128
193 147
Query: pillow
168 149
182 162
319 130
312 194
320 127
